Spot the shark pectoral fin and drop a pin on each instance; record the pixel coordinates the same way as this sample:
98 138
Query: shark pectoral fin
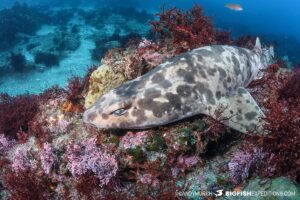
240 112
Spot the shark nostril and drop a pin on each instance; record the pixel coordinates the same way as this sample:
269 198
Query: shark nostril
104 116
89 116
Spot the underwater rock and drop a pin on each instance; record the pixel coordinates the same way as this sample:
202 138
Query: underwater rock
126 62
21 18
101 81
101 47
180 140
66 41
57 41
46 58
65 159
4 60
18 62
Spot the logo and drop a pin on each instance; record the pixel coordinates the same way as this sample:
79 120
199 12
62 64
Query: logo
219 193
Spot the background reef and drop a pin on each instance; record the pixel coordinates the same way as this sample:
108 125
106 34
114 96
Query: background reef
48 153
44 39
40 42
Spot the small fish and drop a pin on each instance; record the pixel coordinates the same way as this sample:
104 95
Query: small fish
235 7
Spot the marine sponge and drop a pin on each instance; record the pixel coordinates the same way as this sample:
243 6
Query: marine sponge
101 81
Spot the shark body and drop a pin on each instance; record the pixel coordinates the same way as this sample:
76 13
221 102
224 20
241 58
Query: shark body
200 81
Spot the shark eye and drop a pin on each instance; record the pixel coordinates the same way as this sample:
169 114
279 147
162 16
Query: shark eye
119 112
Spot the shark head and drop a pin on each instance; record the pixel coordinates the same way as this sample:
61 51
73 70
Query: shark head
130 106
112 111
266 54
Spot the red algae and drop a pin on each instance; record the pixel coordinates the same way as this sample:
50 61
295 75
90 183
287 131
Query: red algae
16 113
282 143
187 30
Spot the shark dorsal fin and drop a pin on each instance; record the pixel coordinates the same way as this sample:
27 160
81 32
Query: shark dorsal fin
257 47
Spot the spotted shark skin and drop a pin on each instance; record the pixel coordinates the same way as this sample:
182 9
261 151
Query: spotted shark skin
197 82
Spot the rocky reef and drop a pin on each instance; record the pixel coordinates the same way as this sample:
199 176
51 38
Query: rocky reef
38 41
47 152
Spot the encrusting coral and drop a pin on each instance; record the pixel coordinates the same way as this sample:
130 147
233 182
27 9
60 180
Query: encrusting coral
48 153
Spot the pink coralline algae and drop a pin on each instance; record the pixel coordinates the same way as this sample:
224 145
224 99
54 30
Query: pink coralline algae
48 158
152 53
187 162
4 143
58 125
184 163
149 179
145 43
155 58
21 161
133 140
241 164
87 157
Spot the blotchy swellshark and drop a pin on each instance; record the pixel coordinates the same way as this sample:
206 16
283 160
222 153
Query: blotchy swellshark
210 80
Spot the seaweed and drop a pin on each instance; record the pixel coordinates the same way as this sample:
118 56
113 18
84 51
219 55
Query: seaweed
16 113
74 95
75 89
289 91
25 186
187 29
282 143
137 154
246 41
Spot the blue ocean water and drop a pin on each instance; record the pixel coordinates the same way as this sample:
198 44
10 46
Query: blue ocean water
258 17
84 44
